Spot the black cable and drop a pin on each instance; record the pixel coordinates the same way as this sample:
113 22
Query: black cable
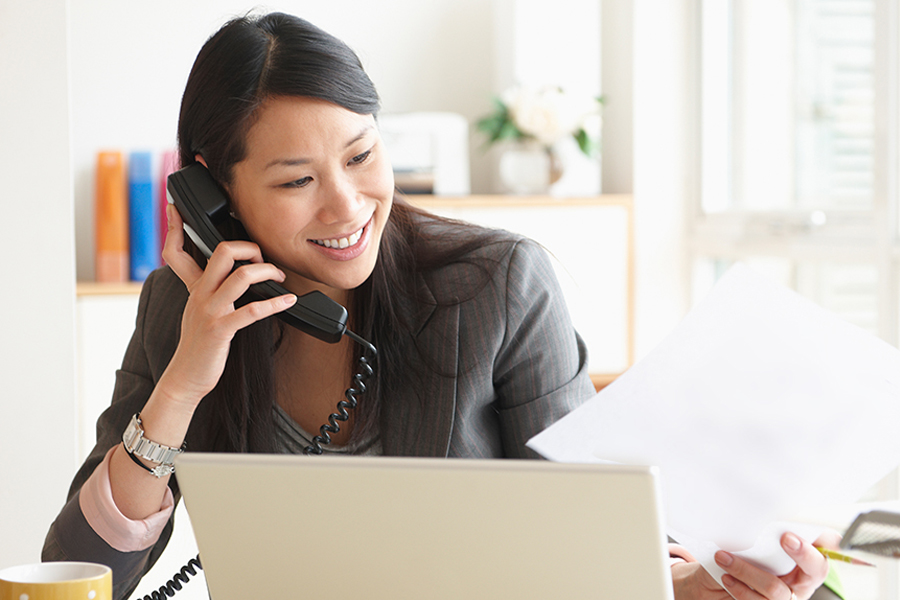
352 392
137 462
174 584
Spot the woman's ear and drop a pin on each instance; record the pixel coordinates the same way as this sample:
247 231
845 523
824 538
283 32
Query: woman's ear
199 158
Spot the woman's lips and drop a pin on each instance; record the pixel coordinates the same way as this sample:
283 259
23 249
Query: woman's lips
341 243
347 247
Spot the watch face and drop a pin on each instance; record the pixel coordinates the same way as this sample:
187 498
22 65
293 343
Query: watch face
132 432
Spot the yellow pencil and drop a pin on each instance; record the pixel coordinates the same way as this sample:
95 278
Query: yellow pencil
834 555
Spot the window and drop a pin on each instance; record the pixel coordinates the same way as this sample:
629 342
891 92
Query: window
797 130
797 167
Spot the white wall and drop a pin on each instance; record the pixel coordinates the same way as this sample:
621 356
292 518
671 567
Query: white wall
660 80
645 76
37 401
617 60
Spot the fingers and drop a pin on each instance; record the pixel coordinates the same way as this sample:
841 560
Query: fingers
259 310
220 284
746 582
219 266
173 250
829 539
809 560
221 272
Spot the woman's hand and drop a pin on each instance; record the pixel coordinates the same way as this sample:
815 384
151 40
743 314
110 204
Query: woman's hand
210 318
208 325
747 582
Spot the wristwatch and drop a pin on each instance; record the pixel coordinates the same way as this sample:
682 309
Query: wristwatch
137 445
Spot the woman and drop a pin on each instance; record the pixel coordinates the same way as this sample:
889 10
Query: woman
476 351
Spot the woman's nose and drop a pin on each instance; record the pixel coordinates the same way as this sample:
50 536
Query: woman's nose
341 201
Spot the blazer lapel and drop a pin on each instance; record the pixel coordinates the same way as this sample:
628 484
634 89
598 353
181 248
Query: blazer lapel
418 420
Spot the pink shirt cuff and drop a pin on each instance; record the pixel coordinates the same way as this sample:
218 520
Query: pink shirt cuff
104 517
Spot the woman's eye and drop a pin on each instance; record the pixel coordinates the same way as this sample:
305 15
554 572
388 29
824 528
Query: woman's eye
360 158
302 182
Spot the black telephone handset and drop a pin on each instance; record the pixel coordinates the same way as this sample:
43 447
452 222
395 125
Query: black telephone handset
202 204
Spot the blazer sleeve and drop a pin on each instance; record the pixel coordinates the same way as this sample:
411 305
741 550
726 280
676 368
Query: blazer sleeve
541 368
70 537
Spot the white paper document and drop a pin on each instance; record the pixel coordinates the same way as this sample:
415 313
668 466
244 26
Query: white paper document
759 405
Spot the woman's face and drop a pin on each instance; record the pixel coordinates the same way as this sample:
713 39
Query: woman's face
314 191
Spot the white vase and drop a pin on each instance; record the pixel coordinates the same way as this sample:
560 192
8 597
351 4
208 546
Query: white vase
526 169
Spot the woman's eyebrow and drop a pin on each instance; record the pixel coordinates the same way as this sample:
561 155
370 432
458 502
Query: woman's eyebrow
288 162
365 130
293 162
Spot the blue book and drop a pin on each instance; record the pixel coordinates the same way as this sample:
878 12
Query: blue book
143 221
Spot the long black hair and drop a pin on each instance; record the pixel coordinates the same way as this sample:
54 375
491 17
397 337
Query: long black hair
248 60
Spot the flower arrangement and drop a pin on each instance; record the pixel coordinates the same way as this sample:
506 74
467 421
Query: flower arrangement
545 115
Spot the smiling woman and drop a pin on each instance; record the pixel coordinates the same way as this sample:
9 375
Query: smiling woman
476 349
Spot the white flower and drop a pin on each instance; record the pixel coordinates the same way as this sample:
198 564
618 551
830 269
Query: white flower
548 113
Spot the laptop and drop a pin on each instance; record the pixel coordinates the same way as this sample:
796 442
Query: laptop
382 528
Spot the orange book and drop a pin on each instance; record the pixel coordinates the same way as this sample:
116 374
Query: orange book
111 218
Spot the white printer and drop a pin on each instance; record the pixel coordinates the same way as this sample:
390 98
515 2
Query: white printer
429 152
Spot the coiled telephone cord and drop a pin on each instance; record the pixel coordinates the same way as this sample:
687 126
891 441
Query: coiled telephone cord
358 388
174 584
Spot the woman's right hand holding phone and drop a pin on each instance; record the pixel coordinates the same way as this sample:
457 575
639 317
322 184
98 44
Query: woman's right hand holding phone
209 323
210 318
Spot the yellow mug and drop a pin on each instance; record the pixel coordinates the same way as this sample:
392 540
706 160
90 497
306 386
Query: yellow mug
56 581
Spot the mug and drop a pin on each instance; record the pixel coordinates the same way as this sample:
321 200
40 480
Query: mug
56 581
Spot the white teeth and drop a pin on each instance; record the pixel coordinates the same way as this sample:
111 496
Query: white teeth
345 242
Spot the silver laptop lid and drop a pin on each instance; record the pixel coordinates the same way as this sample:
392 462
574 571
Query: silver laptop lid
278 526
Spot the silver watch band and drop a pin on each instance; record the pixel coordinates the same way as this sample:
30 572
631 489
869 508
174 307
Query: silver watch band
136 444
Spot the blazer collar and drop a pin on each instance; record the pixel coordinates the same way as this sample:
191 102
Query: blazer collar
418 419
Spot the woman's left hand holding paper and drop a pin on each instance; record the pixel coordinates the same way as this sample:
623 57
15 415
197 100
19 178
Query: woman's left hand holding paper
745 581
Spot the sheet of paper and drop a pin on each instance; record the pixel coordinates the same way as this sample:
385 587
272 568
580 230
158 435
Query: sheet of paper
759 405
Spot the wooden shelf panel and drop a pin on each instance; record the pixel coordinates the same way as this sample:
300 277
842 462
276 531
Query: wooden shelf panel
93 288
504 201
601 380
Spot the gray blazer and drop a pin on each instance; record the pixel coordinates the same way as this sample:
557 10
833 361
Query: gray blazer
518 361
